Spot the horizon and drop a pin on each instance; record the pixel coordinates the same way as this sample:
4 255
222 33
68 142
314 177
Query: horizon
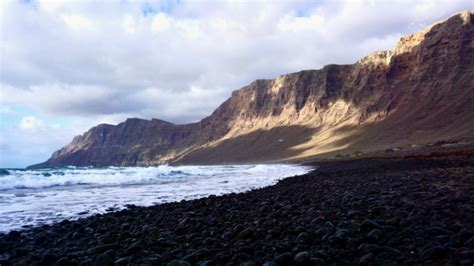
151 59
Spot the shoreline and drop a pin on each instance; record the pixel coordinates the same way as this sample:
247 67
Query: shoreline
37 197
361 211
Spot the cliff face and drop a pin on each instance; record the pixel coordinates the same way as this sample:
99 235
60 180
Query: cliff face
419 92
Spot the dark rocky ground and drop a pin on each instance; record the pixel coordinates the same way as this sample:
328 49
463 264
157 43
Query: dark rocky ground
416 211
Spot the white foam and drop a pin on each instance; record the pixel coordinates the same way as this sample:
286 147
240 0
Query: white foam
44 196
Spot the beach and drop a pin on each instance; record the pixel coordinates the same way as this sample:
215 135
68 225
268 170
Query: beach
385 211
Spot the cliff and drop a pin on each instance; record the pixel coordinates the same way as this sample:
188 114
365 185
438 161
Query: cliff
421 91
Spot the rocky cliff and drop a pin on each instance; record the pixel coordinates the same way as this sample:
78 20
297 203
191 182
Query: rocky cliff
421 91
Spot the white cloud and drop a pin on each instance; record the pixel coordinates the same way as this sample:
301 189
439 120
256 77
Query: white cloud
31 123
77 22
160 22
51 5
293 23
129 24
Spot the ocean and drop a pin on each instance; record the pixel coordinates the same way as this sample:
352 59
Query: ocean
35 197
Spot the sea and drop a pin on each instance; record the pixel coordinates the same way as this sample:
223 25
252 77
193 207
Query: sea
35 197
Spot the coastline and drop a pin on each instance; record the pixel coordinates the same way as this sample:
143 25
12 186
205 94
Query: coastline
30 198
361 211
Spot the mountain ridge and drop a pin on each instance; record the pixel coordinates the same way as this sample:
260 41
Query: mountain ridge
420 91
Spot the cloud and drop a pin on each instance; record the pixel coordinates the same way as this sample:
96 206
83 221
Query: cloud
50 5
77 22
112 50
95 62
5 110
31 123
160 22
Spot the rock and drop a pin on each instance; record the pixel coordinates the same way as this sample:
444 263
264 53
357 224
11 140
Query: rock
342 233
369 248
47 259
63 262
469 243
110 253
133 248
269 263
248 263
364 260
153 260
375 234
369 225
306 200
179 263
209 241
227 235
14 235
121 262
103 248
317 262
436 231
353 213
204 263
393 251
246 233
302 239
41 239
433 252
467 253
284 258
64 222
189 258
301 257
103 260
20 252
320 254
384 258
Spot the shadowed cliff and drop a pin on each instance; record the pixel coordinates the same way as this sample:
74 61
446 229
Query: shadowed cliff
421 91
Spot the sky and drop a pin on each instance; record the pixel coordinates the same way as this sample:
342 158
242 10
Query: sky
66 66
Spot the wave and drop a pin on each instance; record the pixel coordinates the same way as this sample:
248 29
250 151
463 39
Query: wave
31 197
4 172
110 176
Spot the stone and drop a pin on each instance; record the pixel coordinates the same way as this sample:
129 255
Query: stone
364 260
179 263
284 258
121 262
302 238
103 248
133 248
302 257
375 234
269 263
63 262
433 252
369 225
103 260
